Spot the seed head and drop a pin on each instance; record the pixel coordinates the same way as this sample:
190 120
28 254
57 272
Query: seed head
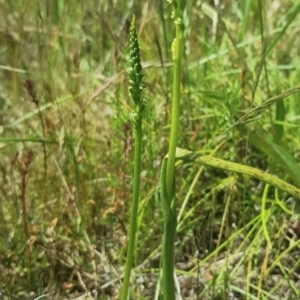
135 74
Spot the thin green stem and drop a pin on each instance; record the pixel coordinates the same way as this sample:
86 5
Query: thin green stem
134 208
168 176
135 89
168 257
170 222
177 57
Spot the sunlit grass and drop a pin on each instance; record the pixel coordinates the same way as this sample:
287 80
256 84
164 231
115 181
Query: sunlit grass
76 56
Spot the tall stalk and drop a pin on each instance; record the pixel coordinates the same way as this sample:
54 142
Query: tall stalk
135 88
167 186
177 49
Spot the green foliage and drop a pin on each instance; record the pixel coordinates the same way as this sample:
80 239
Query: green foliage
240 62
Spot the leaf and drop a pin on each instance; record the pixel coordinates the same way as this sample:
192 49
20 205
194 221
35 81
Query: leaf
250 171
242 169
275 152
280 116
290 18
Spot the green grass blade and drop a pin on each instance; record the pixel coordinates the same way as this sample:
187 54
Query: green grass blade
254 112
246 11
280 117
189 156
239 168
265 214
290 19
253 172
36 111
276 153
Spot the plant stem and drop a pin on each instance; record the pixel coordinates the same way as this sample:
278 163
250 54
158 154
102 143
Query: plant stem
168 258
134 208
177 56
135 89
168 186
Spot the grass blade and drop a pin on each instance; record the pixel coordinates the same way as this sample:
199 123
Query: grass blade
254 112
276 153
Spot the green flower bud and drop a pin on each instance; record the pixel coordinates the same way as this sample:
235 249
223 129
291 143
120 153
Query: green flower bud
135 74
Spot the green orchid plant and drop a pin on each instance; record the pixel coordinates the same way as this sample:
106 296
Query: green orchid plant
135 89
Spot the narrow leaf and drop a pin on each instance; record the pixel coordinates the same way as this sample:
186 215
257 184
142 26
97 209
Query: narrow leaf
252 113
